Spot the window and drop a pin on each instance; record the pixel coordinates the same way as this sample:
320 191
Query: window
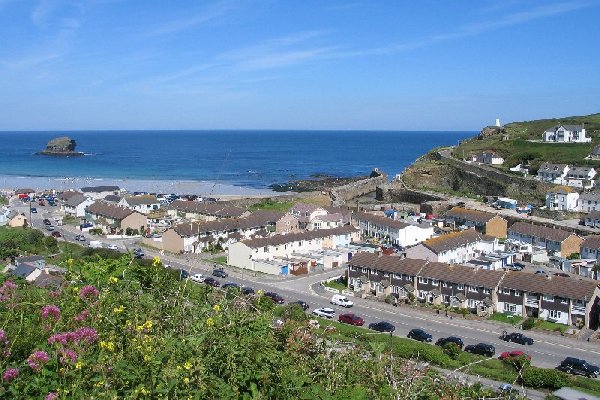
554 314
486 291
548 298
423 280
505 291
508 307
397 276
517 293
435 282
473 289
472 303
422 294
365 270
266 249
385 274
444 284
460 286
563 301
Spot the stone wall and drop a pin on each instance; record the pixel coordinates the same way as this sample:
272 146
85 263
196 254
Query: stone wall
341 194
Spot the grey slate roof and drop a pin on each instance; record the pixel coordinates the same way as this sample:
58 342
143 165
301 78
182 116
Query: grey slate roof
142 199
453 240
257 219
591 242
45 280
380 220
24 270
481 217
28 259
549 167
408 266
591 196
570 288
216 209
292 237
108 210
539 231
596 150
100 189
569 128
113 198
75 200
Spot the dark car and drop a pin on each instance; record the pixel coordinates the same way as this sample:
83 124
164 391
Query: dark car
351 319
212 282
275 297
247 290
482 349
34 210
80 238
47 221
219 272
420 335
49 228
139 253
382 326
516 338
517 266
450 339
56 234
302 304
563 274
229 285
183 274
577 366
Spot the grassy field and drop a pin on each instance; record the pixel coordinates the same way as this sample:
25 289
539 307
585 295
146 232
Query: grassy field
550 326
335 285
270 204
500 317
220 260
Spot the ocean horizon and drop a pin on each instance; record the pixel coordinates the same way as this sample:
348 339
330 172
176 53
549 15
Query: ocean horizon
252 159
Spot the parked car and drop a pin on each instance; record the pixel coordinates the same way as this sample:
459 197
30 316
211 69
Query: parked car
513 354
275 297
420 335
482 349
111 246
229 285
197 278
517 266
577 366
34 210
56 234
340 300
563 274
382 326
138 253
351 319
49 228
247 290
80 238
541 272
516 338
450 339
220 272
183 274
47 221
324 312
212 282
302 304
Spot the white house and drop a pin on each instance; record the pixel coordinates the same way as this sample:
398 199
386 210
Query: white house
76 205
566 134
455 247
393 231
592 219
552 173
581 177
4 211
100 192
305 213
562 198
143 204
488 157
589 202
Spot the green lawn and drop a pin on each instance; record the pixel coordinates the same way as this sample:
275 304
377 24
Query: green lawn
220 260
550 326
335 285
507 318
270 204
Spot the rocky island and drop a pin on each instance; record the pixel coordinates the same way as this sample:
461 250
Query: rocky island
61 147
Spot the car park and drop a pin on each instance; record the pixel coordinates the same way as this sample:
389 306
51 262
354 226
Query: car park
516 337
302 304
482 349
275 297
220 272
382 326
212 282
576 366
324 312
340 300
199 278
419 335
351 319
514 354
450 339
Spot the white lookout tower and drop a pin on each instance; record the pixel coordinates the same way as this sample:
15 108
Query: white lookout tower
498 122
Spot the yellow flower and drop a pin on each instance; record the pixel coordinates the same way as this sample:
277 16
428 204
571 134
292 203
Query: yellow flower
78 365
119 309
210 322
187 365
70 262
156 261
259 292
147 357
217 307
110 346
186 380
98 384
76 290
144 392
113 279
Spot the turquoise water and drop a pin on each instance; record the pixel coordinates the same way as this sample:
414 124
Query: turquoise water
245 158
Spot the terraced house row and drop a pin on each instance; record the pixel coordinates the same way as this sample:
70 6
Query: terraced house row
567 301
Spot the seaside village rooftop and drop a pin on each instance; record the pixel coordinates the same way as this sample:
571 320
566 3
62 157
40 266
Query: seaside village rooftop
471 259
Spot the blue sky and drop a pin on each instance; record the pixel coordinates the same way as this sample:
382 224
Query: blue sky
406 65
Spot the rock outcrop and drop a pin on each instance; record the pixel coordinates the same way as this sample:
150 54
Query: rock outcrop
62 146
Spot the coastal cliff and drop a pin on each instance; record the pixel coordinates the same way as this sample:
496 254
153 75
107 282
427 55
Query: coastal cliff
61 147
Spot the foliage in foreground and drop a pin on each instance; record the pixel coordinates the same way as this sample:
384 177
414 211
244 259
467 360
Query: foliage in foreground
123 330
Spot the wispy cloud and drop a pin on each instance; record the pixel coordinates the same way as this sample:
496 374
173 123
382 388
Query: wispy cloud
210 13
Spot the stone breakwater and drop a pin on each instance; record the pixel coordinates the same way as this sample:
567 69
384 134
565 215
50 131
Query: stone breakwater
341 194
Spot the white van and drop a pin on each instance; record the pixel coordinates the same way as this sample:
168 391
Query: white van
340 300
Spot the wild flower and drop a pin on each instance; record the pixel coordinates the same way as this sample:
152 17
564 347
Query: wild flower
10 374
81 316
110 346
210 322
187 365
113 279
88 292
85 334
156 261
51 311
119 309
7 290
88 335
51 396
68 355
217 307
4 343
78 365
37 359
186 380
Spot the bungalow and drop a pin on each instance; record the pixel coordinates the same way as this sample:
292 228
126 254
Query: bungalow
390 230
566 134
16 220
113 218
305 213
553 173
144 204
555 241
592 219
205 211
562 198
484 222
455 247
589 202
100 192
76 205
27 272
581 177
34 261
490 158
558 299
265 254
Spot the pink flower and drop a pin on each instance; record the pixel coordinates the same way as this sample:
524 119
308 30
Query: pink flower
68 355
10 374
89 292
6 291
51 396
88 335
54 294
81 316
51 311
4 344
37 359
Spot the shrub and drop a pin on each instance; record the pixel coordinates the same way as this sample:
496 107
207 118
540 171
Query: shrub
528 324
519 362
452 350
543 378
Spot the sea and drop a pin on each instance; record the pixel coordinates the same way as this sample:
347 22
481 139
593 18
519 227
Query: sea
247 160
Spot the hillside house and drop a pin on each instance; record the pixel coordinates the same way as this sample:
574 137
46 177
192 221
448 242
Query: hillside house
566 134
144 204
562 198
205 211
455 247
392 231
100 192
488 157
589 201
327 221
16 220
553 173
114 219
76 204
553 240
590 247
306 213
592 219
581 177
484 222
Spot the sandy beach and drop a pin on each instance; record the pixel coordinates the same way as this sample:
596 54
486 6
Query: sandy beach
201 188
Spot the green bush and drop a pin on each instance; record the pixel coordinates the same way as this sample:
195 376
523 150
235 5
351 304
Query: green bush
452 350
540 378
519 362
528 324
